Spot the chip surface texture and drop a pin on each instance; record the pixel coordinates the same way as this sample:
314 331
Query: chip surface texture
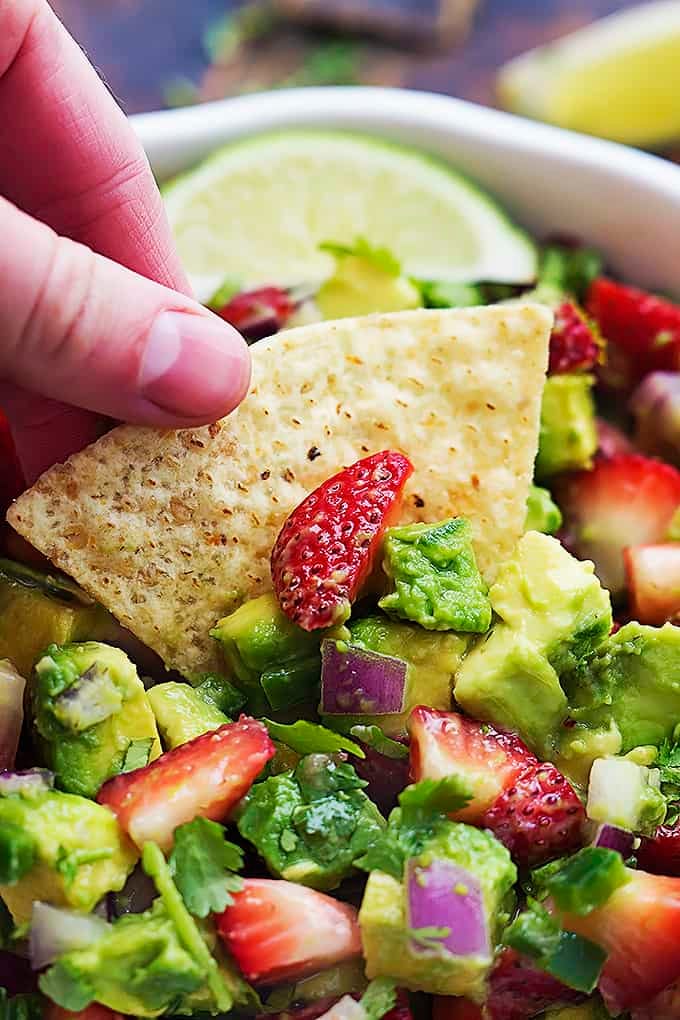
172 530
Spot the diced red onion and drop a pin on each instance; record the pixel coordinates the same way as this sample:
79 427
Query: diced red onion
55 931
28 783
345 1008
92 699
358 682
11 712
444 895
656 407
610 837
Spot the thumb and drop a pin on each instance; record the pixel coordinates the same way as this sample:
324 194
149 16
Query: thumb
79 328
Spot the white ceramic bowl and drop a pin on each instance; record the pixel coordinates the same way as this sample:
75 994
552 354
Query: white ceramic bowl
624 202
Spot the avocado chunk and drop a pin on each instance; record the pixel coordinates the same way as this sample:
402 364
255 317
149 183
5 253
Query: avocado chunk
392 947
365 281
567 436
272 660
543 514
632 684
625 794
38 609
436 580
78 853
181 714
311 825
89 706
432 658
552 613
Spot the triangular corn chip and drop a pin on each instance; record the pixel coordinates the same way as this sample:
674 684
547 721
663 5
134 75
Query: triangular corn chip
171 530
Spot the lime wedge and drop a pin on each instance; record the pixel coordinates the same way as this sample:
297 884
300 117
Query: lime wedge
618 78
257 210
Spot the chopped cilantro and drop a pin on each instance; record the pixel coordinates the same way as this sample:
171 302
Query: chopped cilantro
374 737
668 763
381 258
431 799
429 937
20 1007
202 864
570 270
379 998
137 754
68 861
17 853
311 738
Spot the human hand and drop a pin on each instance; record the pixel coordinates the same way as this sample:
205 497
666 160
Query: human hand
81 336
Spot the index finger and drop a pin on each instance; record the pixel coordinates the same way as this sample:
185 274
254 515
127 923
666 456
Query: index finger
68 155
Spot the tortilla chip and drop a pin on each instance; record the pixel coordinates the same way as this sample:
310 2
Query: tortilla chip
172 530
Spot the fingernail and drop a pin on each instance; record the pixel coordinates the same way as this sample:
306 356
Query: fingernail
194 365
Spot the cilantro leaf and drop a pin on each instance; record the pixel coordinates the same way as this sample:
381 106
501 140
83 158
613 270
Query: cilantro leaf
311 738
20 1007
137 754
423 802
374 737
570 270
379 998
429 937
202 864
381 258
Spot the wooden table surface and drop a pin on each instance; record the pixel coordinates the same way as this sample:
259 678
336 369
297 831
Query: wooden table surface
141 45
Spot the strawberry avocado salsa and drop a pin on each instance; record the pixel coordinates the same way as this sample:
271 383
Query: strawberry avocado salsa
407 791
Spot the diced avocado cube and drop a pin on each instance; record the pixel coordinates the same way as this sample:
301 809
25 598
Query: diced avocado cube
432 658
79 852
38 609
181 714
552 613
361 285
625 794
216 690
89 705
436 580
633 683
310 826
543 514
555 600
567 436
390 948
258 638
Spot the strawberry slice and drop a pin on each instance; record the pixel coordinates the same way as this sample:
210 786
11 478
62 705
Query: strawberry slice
574 343
627 500
665 1006
94 1011
205 777
452 1007
660 853
326 548
653 582
258 313
281 931
638 928
528 805
644 328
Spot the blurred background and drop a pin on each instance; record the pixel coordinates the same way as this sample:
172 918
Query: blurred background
159 53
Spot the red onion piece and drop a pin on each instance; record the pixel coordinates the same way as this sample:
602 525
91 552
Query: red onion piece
357 682
612 838
28 783
345 1008
11 712
655 405
444 895
55 931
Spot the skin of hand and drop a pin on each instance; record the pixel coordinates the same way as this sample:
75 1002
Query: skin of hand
96 317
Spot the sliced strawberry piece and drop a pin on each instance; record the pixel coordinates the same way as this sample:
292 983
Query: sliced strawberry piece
645 328
326 548
664 1006
92 1012
280 931
529 806
653 582
660 853
627 500
205 777
258 313
638 928
452 1007
574 343
539 817
490 761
